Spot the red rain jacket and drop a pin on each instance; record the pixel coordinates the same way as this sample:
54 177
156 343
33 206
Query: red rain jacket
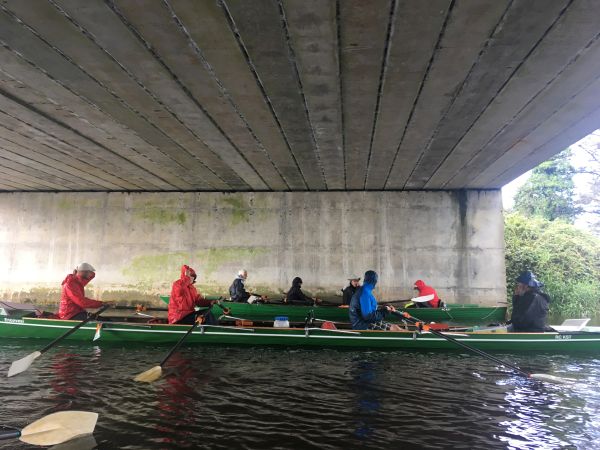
73 299
427 290
184 297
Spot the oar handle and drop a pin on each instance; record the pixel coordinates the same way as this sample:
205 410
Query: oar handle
75 328
411 319
15 434
225 309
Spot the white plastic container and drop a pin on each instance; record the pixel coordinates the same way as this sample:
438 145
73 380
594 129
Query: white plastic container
281 322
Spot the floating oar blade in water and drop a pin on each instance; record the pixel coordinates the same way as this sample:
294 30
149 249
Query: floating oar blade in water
537 376
552 378
23 364
150 375
55 428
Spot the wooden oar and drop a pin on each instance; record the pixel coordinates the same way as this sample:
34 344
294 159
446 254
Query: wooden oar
153 374
55 428
538 376
23 364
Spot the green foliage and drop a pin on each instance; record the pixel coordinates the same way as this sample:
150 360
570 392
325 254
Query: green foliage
572 299
566 259
549 192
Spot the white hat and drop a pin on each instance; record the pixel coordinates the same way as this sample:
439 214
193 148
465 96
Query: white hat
354 277
85 266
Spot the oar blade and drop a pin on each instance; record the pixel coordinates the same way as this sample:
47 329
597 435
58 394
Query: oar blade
98 333
59 427
422 298
150 375
22 364
552 378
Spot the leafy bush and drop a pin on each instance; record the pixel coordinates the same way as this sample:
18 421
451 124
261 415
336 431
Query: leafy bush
576 299
566 259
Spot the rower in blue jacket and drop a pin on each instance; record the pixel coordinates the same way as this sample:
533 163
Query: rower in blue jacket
364 312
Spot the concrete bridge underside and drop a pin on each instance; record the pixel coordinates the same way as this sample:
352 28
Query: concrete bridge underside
291 95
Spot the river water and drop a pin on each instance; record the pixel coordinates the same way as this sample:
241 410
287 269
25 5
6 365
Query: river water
233 397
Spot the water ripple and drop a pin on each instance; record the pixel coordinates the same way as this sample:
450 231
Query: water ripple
219 397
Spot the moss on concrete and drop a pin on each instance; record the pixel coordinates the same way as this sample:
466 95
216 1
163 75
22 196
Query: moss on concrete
35 295
214 258
130 297
240 210
65 204
71 203
148 271
161 216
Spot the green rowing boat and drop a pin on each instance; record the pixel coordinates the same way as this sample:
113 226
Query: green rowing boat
453 314
585 340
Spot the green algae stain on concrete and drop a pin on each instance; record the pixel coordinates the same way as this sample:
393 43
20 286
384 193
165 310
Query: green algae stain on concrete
161 216
76 203
240 210
150 271
65 204
214 258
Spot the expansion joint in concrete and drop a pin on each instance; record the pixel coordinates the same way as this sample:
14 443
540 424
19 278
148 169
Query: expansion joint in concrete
261 87
420 90
501 129
294 63
456 94
382 74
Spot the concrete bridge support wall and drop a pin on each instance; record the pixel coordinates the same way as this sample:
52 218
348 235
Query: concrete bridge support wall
138 241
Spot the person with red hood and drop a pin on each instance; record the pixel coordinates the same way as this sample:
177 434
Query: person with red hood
184 299
73 301
427 290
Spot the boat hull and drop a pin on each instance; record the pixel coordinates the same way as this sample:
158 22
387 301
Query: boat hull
121 333
454 314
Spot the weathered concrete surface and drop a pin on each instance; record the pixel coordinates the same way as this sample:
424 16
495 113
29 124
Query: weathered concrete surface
290 95
138 241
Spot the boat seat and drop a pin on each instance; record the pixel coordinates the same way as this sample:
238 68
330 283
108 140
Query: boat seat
572 325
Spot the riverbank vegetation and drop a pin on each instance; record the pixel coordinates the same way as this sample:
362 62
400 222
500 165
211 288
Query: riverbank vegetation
540 236
565 258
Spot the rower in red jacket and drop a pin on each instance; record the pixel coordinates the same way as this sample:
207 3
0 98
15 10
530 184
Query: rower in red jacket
184 297
427 290
73 301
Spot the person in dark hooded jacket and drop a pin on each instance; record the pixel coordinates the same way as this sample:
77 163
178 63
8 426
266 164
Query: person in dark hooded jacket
349 290
295 296
364 313
529 305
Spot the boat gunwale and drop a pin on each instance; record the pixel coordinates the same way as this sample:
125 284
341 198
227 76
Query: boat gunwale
316 332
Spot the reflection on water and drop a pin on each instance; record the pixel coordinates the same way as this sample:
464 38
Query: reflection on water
274 398
365 386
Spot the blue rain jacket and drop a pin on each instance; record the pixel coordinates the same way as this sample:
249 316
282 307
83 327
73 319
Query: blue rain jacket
363 306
